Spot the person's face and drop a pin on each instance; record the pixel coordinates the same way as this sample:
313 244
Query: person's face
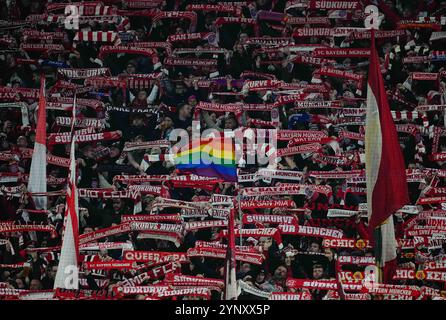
167 123
179 89
243 38
88 230
245 267
192 101
117 204
328 253
7 126
10 60
386 47
230 123
314 247
412 166
67 148
317 273
139 138
186 111
260 277
348 95
265 243
89 153
280 273
406 12
114 152
142 95
213 117
20 283
52 272
6 275
221 271
138 122
4 143
34 285
131 68
238 48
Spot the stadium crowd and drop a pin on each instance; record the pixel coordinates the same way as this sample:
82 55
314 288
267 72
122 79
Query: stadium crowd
138 70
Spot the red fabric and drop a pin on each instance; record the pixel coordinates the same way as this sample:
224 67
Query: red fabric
389 270
390 192
71 211
362 231
41 115
289 273
399 230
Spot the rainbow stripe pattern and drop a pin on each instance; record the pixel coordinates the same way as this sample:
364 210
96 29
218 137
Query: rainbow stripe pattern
208 157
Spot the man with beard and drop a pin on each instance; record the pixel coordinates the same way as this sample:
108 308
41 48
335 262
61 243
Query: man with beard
277 281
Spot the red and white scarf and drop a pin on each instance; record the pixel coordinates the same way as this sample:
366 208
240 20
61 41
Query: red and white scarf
83 73
101 136
254 258
256 233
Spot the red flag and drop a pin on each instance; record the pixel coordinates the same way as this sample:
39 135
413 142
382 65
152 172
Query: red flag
37 174
67 272
385 169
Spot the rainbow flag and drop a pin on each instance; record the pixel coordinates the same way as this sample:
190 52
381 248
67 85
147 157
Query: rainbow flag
213 157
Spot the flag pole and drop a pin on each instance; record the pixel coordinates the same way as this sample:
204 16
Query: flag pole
376 232
239 206
230 274
338 278
67 276
385 170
